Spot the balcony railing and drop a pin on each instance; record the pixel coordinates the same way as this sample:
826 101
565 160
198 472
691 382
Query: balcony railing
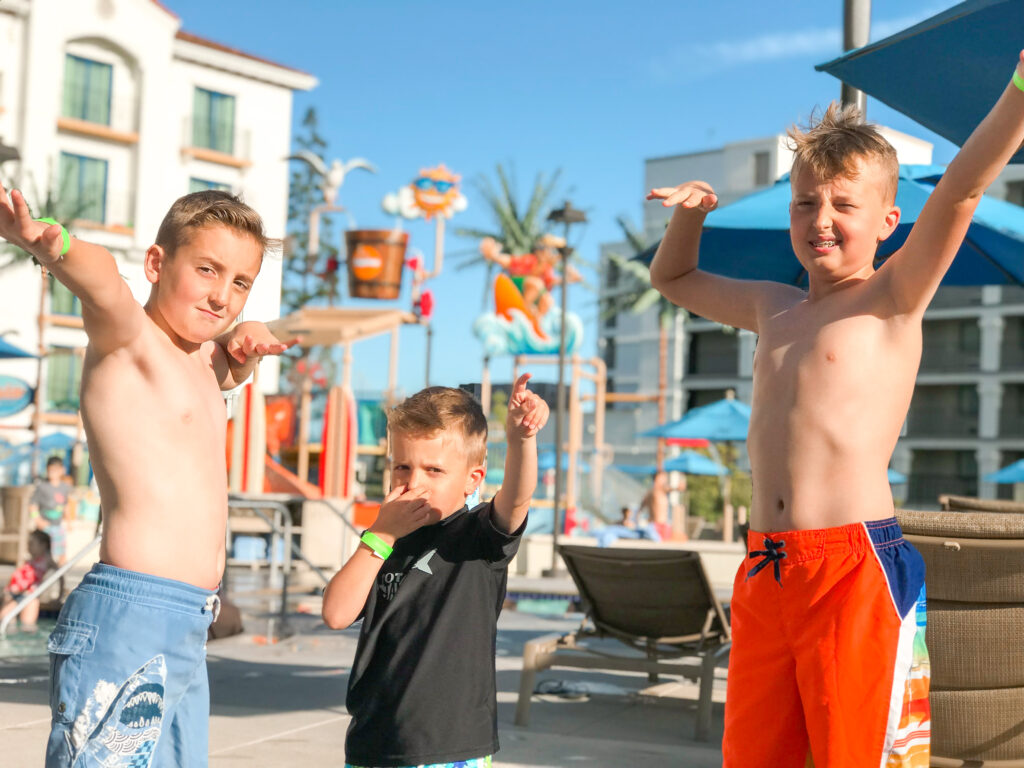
924 488
939 421
942 356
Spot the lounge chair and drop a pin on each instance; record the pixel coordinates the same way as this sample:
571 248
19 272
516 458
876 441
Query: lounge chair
975 582
948 502
658 602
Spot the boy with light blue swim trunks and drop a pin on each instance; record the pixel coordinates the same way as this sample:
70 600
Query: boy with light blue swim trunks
428 581
128 659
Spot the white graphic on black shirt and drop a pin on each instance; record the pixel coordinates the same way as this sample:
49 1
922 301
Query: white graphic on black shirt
423 564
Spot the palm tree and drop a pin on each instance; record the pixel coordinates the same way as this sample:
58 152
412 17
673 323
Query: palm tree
637 296
515 228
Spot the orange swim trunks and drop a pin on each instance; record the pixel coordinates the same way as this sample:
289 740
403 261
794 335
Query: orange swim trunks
828 665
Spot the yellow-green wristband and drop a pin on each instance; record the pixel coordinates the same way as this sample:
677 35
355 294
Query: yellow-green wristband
64 233
1018 80
377 544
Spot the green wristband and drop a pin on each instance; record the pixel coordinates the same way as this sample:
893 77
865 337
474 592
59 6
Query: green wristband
377 544
63 234
1018 80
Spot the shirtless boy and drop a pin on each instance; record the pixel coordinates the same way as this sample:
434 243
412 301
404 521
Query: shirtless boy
828 661
128 652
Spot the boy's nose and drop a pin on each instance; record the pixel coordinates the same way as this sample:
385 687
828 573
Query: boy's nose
219 295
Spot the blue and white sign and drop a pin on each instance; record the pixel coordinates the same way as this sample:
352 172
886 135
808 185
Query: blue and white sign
15 395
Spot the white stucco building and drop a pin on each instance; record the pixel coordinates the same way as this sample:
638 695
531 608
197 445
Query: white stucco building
115 112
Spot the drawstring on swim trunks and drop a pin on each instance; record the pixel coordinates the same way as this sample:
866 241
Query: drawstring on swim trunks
772 553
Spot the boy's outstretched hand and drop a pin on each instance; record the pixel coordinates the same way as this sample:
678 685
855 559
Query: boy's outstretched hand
692 194
527 412
44 241
254 340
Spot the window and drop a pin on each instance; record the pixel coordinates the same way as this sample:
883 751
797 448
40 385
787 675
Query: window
201 185
970 336
63 379
1015 192
967 401
213 121
762 175
83 187
87 86
62 300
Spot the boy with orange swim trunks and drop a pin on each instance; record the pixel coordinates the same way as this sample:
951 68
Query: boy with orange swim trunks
828 664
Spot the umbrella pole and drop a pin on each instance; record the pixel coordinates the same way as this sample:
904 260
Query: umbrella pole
856 31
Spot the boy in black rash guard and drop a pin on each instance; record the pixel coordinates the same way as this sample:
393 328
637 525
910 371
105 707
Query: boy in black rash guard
428 580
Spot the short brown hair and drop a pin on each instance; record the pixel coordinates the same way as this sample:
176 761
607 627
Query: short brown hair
441 409
206 208
831 147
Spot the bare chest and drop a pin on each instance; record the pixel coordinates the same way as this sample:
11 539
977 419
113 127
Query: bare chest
173 393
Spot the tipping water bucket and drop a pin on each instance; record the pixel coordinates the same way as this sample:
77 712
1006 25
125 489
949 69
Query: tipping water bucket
376 258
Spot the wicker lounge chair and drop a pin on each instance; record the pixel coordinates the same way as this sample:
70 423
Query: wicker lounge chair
658 602
975 635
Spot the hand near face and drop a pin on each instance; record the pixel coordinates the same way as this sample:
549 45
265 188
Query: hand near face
527 412
403 511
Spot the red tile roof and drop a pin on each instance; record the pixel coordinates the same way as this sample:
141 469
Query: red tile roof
191 38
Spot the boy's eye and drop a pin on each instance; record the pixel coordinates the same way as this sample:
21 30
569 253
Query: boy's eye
242 285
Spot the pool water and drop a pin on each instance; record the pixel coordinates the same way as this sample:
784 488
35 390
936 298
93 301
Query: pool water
18 643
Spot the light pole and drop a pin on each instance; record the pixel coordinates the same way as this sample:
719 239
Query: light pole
567 216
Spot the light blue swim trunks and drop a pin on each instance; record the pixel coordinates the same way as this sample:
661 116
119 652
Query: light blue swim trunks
128 684
479 762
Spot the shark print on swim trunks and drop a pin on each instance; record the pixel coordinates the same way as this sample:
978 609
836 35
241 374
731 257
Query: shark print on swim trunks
119 726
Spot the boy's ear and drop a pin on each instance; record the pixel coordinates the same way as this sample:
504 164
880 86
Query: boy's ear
892 220
474 478
153 263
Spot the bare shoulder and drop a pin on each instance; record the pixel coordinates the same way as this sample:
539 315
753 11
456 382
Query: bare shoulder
777 298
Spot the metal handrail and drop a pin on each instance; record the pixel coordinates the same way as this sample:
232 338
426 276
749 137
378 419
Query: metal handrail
278 532
46 583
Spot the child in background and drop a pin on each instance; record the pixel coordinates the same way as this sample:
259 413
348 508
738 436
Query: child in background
51 506
26 577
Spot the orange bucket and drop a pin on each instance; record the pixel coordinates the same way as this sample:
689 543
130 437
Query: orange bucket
376 260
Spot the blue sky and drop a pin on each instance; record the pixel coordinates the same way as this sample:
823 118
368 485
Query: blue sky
591 88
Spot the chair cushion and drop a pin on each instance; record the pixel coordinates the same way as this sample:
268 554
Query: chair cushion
975 646
978 725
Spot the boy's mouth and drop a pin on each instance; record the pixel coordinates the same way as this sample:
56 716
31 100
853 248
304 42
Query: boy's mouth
824 245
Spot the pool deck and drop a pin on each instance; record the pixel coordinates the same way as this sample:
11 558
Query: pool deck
283 704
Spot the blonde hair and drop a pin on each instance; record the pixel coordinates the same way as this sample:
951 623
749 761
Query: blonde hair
831 147
443 409
210 207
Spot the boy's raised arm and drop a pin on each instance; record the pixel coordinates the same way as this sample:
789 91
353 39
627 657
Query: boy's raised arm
527 414
111 315
916 270
674 267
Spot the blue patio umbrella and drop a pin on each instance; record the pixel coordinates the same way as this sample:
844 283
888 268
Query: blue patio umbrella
947 71
1012 473
8 351
546 461
749 239
897 478
687 462
641 470
693 463
725 420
